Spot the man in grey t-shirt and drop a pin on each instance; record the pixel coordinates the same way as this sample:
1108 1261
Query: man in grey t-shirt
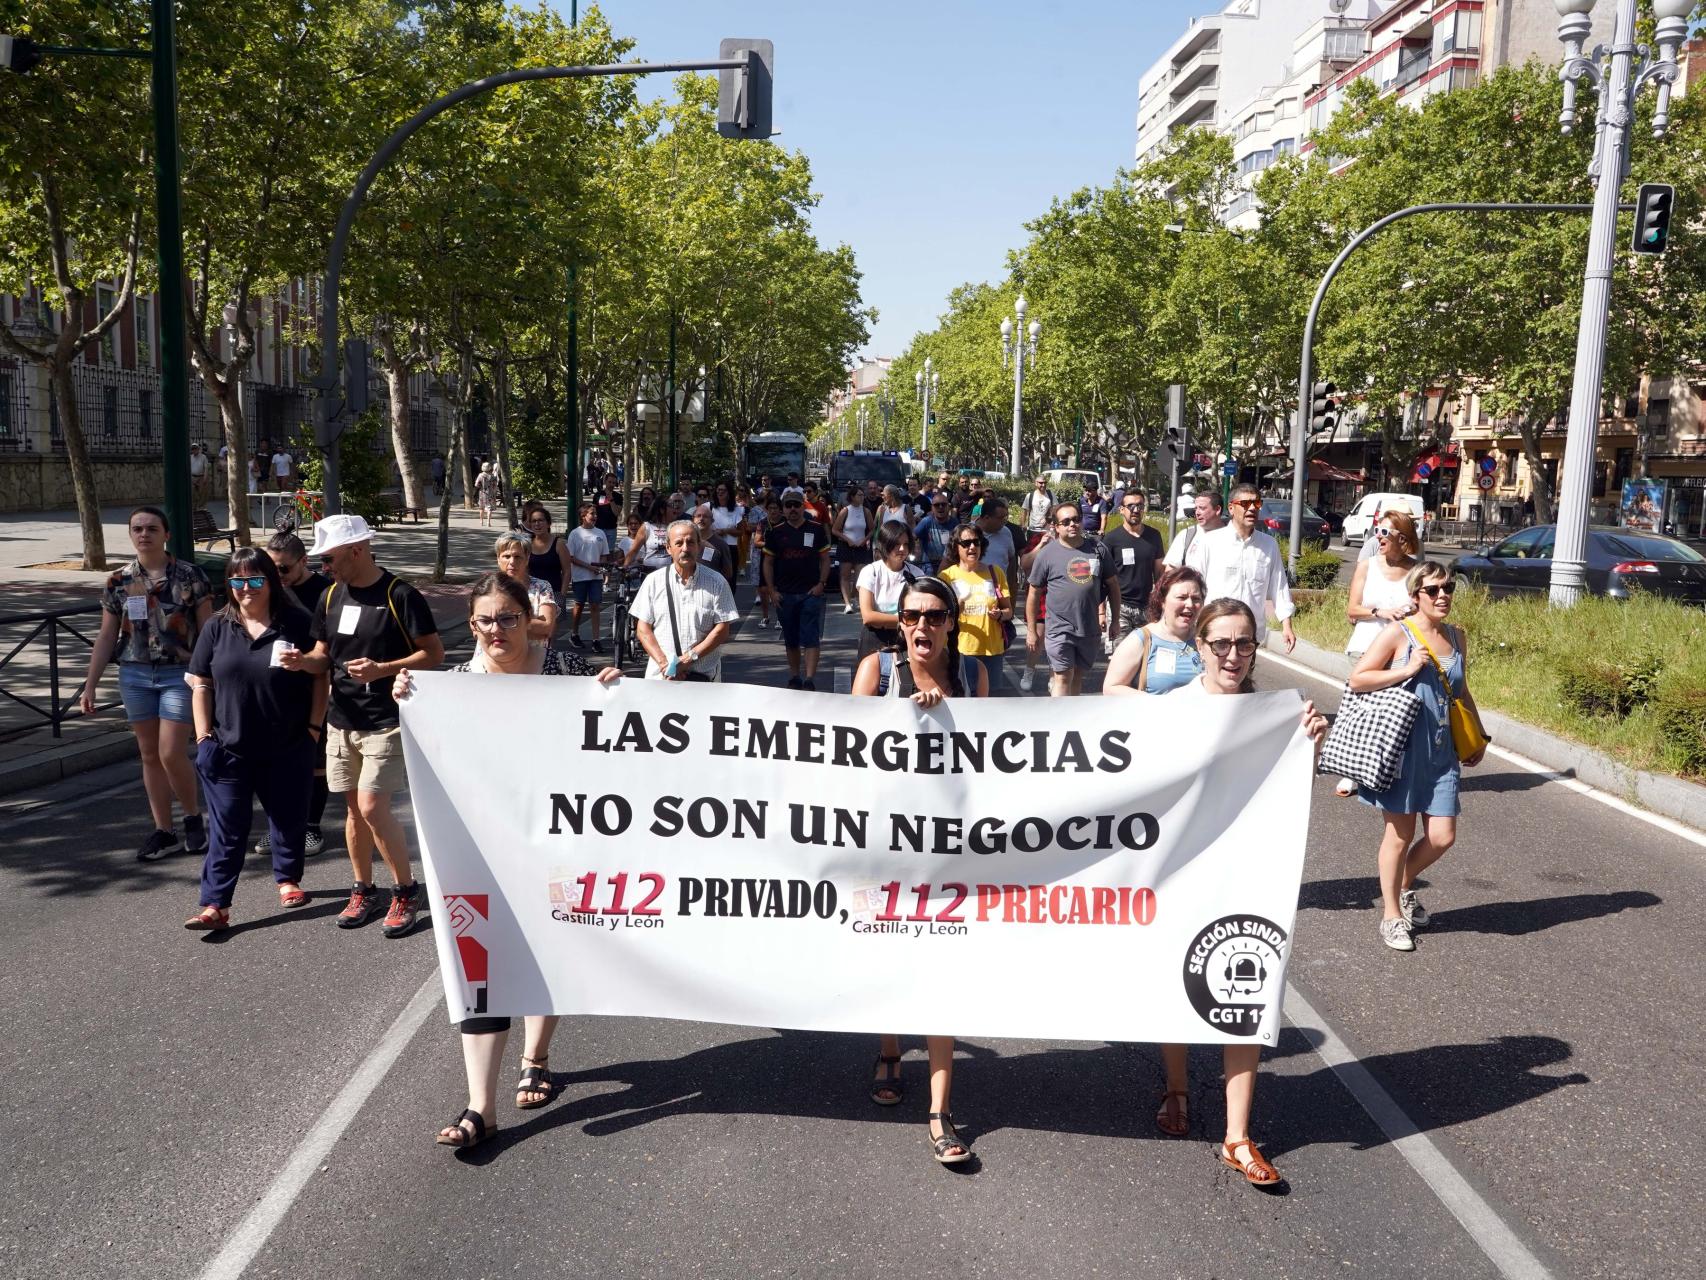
1074 574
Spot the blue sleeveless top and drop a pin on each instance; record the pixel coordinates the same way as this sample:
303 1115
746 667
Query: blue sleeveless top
1163 674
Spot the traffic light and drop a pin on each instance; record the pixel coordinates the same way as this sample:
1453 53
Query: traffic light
355 376
1177 438
19 53
1323 408
1175 443
932 417
1652 217
743 95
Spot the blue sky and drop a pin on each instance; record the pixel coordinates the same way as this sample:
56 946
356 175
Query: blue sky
936 128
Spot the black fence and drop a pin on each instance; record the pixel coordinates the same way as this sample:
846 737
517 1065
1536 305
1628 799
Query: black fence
42 667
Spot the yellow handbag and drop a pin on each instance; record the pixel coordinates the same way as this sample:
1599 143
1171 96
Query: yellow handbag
1468 734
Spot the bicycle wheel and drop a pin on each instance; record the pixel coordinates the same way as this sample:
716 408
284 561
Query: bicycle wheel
619 636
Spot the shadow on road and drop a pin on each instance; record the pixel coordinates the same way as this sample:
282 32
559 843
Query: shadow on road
1513 919
1504 782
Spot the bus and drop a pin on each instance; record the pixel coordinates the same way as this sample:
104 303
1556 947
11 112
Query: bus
775 454
857 466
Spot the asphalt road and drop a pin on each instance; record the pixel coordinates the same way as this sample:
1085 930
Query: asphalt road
159 1081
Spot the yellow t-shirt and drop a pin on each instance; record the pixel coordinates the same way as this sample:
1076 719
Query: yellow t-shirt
980 631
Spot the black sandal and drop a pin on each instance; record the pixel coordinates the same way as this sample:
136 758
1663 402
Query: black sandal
950 1139
536 1079
885 1083
454 1135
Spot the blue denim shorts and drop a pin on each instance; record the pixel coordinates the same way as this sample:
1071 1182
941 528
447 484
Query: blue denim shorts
801 617
154 693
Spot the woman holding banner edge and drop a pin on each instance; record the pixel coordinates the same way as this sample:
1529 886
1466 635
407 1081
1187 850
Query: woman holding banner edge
928 670
1226 642
499 611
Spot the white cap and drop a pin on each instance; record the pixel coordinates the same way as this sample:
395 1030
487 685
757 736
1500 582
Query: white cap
338 531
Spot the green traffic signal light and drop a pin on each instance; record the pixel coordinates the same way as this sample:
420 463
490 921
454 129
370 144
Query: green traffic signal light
1652 217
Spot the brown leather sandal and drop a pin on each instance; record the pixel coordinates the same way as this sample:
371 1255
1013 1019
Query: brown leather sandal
1256 1170
1172 1119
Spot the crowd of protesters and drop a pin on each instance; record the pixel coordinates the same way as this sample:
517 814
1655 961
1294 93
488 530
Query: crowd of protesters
288 693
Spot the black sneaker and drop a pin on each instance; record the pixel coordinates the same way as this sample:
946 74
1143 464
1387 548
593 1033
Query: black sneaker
159 845
598 646
575 640
364 903
810 686
195 834
794 683
405 905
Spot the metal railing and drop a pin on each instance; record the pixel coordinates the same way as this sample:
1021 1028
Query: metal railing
35 664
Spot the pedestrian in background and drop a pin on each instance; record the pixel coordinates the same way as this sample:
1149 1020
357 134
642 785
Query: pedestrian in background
1096 508
370 626
1035 507
513 550
486 488
880 585
1161 655
290 557
796 571
768 518
1206 509
497 613
258 727
547 556
1073 575
152 613
714 553
986 607
1242 562
683 614
1226 644
926 670
1378 595
1137 552
852 529
1432 658
588 552
198 474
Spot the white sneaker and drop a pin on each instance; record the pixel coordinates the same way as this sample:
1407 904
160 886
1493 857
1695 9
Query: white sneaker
846 608
764 624
1415 914
1395 933
1345 787
1027 681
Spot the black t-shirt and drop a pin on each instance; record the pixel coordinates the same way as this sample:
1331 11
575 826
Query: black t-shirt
257 708
370 631
607 511
1136 571
309 591
796 556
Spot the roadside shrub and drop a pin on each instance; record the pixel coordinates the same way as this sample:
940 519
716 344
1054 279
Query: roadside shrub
1679 712
1606 687
1317 570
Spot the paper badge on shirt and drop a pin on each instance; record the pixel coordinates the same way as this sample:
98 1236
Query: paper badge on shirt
349 618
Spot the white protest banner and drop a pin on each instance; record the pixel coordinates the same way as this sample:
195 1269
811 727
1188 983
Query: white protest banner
1090 869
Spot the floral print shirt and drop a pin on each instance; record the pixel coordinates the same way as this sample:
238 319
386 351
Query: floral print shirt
156 613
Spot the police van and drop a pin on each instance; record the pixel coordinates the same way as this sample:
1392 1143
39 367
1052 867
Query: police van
857 466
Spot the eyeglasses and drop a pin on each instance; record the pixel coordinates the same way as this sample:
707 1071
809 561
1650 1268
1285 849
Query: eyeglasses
253 584
792 506
1069 520
1220 648
1249 504
1132 506
929 617
501 622
1432 589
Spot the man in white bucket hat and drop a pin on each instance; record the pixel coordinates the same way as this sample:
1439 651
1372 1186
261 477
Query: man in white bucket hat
370 625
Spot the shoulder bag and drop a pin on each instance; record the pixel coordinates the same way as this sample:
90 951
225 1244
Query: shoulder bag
1468 734
675 633
1366 743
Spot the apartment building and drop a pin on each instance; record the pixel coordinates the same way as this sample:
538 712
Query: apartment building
117 384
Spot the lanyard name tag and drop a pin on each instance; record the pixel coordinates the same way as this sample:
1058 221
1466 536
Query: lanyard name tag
136 608
807 538
707 553
349 617
1166 662
1128 555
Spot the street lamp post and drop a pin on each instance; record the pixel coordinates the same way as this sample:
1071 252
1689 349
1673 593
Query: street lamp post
1018 346
885 406
1616 80
925 384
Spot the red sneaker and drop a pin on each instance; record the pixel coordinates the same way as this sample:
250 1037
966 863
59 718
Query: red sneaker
405 906
363 906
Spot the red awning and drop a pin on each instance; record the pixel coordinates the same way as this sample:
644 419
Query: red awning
1319 470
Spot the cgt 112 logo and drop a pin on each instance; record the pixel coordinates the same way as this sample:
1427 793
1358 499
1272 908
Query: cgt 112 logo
1232 973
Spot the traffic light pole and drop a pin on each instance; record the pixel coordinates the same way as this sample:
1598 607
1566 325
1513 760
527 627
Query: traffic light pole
1300 425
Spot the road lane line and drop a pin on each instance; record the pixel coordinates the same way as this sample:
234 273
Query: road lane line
1618 803
252 1233
1491 1232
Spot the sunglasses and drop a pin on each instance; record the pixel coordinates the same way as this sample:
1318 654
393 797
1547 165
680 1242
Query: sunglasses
1433 589
1132 506
253 584
1220 648
929 617
1069 520
792 506
979 543
1384 534
501 622
1247 503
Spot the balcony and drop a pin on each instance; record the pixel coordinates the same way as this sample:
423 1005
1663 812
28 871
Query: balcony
1196 107
1204 33
1409 71
1203 69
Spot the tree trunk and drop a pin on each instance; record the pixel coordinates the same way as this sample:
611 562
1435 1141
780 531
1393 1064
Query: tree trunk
441 556
397 384
500 434
229 394
1538 487
82 472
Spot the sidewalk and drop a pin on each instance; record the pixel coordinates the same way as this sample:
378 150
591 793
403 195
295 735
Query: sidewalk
30 756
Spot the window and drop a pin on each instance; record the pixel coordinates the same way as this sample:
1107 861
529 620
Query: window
109 409
1343 45
145 413
104 304
144 330
1285 147
5 406
1255 162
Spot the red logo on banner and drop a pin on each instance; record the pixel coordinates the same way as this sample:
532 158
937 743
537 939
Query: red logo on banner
467 911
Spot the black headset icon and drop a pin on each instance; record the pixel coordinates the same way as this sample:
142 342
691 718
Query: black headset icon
1261 974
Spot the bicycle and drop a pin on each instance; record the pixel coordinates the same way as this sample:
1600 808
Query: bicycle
624 636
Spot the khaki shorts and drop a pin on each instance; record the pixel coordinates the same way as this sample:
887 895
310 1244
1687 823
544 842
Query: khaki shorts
365 760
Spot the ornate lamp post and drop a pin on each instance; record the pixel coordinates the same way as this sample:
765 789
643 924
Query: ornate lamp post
1018 348
925 384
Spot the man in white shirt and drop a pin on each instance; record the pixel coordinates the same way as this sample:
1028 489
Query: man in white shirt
198 474
683 613
1243 562
1208 518
282 463
1036 505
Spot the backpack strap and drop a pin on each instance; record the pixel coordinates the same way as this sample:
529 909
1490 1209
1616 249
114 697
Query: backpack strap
397 617
885 671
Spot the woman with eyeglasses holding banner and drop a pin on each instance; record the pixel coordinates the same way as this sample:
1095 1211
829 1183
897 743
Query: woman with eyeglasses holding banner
499 610
1431 657
1378 596
926 669
1226 643
986 604
257 733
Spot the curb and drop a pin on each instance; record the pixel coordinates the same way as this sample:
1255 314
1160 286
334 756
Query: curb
1669 796
59 762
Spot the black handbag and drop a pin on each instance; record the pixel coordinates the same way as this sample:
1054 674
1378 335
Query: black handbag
675 633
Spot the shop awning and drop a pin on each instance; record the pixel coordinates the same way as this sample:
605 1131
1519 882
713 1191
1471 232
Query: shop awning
1319 470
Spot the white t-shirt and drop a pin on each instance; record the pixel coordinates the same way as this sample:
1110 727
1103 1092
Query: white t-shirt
198 464
884 584
699 606
281 463
585 544
723 521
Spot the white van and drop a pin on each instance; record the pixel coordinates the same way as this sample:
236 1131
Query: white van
1066 476
1362 517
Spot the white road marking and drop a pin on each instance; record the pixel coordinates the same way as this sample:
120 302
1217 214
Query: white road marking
1618 803
1494 1236
252 1233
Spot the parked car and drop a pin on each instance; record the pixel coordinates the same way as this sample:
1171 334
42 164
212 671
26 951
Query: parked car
1275 517
1619 563
1068 477
1362 517
1335 519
